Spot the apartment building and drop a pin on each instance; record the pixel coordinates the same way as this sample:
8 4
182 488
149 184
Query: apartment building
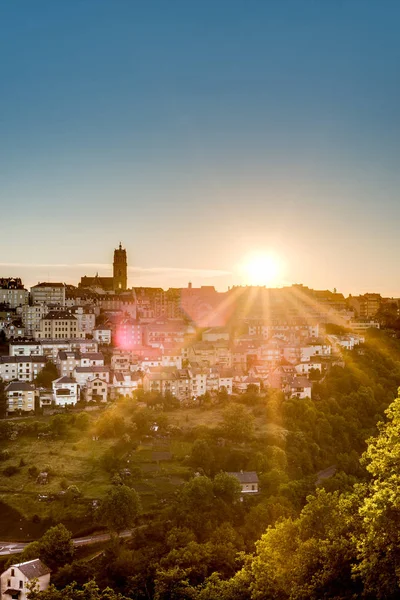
20 396
58 324
22 368
48 293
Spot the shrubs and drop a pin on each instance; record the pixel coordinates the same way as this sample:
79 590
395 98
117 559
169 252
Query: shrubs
4 455
33 471
10 471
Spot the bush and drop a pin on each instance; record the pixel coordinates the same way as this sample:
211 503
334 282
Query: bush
4 455
10 471
33 471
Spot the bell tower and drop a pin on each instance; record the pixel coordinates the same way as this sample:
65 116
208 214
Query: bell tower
120 269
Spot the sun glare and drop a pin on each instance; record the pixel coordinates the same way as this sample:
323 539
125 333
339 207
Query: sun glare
262 269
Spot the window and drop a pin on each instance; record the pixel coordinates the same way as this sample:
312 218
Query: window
21 584
12 572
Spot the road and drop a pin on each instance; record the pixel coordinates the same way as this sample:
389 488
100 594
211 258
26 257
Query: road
7 548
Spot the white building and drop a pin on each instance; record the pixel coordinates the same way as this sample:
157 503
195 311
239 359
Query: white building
22 368
171 358
13 293
65 391
248 481
124 383
31 317
25 348
85 317
14 580
198 380
83 374
102 334
48 293
214 334
92 359
306 352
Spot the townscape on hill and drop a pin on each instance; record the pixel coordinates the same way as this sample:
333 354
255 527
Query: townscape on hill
107 340
222 435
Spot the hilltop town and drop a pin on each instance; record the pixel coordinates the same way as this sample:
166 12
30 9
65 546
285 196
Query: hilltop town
108 341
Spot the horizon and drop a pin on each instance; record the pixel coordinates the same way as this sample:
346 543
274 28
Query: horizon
148 278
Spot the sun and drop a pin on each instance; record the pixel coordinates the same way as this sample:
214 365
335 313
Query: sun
262 269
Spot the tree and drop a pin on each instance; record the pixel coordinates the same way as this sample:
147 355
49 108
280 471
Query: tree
237 424
55 548
310 557
201 456
379 542
47 375
227 488
90 591
3 401
120 508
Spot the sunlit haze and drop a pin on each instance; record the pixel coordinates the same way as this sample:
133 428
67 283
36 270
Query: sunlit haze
263 269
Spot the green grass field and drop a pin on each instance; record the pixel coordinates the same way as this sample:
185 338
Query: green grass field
28 508
75 461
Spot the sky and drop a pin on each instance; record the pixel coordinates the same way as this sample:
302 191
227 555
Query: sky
198 133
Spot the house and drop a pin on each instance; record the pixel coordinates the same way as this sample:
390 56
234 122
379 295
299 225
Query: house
171 358
248 481
242 384
25 348
214 334
13 330
124 383
305 367
67 360
198 378
102 334
86 318
65 391
299 387
84 374
96 390
162 380
121 360
317 348
15 579
92 359
12 292
160 332
20 396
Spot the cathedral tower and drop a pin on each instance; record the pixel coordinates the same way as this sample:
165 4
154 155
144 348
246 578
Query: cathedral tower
120 269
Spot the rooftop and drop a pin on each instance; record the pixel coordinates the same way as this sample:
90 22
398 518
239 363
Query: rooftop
20 386
46 284
33 568
245 476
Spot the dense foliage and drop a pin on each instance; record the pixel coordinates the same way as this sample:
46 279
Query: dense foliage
325 524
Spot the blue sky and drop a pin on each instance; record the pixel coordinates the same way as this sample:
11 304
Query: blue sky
198 132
